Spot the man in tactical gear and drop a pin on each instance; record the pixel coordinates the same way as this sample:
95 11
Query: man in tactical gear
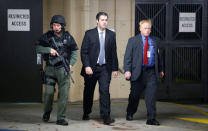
59 50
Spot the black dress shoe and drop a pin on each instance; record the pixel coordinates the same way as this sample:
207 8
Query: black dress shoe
62 122
85 117
152 122
101 117
129 117
108 121
46 116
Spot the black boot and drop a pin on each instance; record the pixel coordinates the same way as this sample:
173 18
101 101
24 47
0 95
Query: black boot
62 122
46 116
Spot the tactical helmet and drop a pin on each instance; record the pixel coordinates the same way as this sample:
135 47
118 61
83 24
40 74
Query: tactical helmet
58 19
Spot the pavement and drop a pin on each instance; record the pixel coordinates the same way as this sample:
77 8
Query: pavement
172 117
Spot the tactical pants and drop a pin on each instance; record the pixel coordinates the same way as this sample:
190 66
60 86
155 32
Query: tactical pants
54 76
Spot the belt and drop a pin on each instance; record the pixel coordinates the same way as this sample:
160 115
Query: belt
56 66
100 65
148 67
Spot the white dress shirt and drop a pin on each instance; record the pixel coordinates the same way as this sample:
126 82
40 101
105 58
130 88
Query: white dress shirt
104 32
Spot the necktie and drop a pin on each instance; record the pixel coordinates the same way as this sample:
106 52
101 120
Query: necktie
102 49
146 48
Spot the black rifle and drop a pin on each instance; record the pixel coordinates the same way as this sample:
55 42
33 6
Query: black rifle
59 59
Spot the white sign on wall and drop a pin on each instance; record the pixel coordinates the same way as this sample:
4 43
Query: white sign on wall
187 22
18 19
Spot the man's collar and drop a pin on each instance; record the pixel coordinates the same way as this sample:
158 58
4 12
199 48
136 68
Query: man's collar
100 30
143 37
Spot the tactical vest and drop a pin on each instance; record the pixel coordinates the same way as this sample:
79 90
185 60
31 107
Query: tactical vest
61 45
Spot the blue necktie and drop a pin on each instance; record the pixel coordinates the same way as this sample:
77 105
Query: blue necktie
102 49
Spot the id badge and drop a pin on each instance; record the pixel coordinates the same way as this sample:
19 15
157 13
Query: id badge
148 54
39 61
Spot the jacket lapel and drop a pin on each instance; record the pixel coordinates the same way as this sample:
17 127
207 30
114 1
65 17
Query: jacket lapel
156 50
138 41
106 39
97 42
154 41
96 37
139 46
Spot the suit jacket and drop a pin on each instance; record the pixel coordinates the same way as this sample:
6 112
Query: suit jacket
91 47
133 58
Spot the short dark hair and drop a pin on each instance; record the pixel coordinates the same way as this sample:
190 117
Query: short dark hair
101 13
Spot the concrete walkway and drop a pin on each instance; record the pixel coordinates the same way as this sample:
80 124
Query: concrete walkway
172 117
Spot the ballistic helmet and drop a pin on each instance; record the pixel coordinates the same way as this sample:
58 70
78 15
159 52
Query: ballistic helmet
58 19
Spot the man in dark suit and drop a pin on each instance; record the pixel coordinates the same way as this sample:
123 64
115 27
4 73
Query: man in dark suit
99 59
143 67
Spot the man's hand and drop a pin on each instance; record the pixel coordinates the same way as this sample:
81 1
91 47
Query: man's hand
88 70
161 74
54 52
70 68
127 75
115 74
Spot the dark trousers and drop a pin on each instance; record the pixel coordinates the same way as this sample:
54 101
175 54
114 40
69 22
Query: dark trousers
147 82
103 77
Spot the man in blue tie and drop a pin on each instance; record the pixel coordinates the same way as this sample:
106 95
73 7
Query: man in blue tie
99 59
143 67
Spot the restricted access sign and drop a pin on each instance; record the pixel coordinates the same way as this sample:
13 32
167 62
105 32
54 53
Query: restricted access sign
18 19
187 22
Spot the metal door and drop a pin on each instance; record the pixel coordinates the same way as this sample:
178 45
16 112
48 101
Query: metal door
20 81
184 52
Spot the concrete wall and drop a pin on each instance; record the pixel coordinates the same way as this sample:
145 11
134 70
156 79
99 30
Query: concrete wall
80 16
